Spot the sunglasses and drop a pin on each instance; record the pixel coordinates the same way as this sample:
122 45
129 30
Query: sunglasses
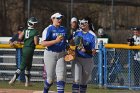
31 24
59 18
83 22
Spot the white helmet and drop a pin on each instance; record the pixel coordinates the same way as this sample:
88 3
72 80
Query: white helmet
100 31
31 21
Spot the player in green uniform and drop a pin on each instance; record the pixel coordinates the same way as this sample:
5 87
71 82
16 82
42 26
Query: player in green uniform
30 37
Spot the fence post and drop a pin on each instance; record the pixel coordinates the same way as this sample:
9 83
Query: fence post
19 58
100 70
105 66
129 68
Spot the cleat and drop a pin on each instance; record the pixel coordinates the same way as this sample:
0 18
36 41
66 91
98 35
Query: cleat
12 81
27 78
26 84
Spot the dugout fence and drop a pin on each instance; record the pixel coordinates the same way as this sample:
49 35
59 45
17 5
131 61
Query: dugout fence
117 68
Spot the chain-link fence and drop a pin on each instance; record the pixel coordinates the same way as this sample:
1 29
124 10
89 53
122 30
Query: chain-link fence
121 66
8 66
114 66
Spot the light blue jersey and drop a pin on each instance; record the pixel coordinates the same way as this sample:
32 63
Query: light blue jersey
51 33
89 43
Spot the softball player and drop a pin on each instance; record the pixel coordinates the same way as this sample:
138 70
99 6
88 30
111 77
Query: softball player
83 64
54 38
30 37
74 27
14 40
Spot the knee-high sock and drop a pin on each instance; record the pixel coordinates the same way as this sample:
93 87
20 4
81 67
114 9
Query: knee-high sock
83 88
46 86
75 88
60 86
17 73
27 76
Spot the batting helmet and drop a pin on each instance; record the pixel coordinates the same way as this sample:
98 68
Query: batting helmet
31 21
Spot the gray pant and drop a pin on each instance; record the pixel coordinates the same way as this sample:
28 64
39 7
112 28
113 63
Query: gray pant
81 70
55 65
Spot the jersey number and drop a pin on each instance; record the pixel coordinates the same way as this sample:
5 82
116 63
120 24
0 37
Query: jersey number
27 33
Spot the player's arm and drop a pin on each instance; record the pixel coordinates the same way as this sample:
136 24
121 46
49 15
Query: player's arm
52 42
46 41
36 40
21 36
12 41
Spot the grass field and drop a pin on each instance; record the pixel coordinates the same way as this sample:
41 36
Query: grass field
39 87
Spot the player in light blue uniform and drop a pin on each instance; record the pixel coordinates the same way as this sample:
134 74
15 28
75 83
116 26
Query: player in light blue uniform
54 39
83 64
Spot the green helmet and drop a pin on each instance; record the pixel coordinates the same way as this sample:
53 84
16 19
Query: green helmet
32 21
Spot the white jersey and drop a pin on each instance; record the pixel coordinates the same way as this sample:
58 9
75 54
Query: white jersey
96 45
137 42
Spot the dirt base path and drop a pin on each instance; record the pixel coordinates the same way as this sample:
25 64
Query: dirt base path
22 91
15 91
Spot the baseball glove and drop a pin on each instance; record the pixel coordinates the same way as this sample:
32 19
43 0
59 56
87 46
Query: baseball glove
70 54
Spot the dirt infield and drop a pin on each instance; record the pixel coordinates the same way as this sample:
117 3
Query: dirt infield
22 91
15 91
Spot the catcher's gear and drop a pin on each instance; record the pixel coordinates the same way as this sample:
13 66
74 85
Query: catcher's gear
31 21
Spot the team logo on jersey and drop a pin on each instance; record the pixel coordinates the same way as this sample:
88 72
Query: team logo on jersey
54 31
62 30
58 34
27 33
86 43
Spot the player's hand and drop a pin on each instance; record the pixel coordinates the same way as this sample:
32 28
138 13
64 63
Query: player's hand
59 38
15 42
11 44
83 50
18 42
94 52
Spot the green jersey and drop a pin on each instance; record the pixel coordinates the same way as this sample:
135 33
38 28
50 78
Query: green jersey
29 37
